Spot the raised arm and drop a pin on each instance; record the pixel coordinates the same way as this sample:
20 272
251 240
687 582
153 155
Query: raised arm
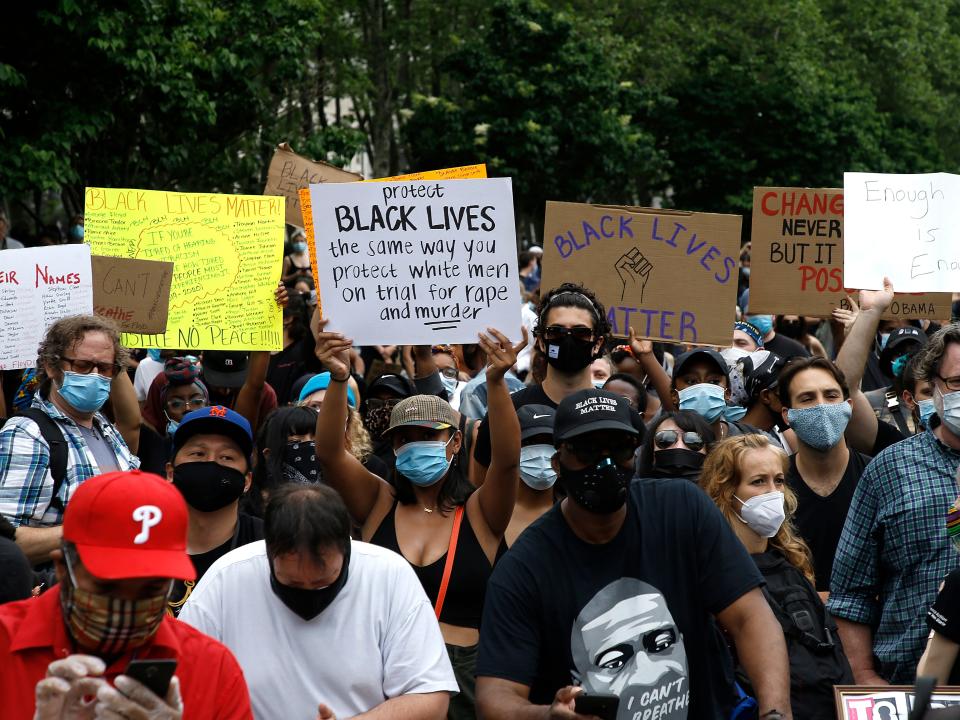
248 399
643 352
861 432
126 410
498 494
359 487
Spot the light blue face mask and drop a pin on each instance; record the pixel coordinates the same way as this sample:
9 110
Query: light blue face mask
763 323
299 247
927 409
86 393
708 401
598 384
154 355
535 468
423 463
820 426
449 384
172 426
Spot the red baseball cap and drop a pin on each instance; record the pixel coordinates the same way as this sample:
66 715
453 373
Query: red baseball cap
129 524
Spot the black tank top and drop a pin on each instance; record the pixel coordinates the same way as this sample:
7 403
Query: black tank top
463 605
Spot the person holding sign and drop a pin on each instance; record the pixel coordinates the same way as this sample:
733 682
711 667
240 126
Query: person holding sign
80 360
448 530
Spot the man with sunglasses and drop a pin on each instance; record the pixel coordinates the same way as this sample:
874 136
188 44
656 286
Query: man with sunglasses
893 553
617 589
571 331
63 439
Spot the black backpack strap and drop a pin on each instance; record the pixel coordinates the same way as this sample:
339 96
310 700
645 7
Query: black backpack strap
52 433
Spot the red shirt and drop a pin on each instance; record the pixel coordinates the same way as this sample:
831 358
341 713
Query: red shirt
32 635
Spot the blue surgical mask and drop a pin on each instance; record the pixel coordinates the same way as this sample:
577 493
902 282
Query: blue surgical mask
763 323
299 247
598 384
154 354
708 401
76 232
535 468
449 384
86 393
926 408
423 463
820 426
172 426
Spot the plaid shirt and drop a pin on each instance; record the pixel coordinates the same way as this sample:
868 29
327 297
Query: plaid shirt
26 485
894 551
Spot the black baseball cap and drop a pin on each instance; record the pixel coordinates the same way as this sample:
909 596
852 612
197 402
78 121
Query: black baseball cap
588 411
764 376
224 368
701 354
902 341
536 420
398 385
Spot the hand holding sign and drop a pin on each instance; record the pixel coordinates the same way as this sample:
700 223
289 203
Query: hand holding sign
634 270
333 350
878 300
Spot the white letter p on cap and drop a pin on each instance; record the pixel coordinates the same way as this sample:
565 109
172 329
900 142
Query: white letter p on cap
148 516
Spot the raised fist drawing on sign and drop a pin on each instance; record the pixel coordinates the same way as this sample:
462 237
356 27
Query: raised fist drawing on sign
634 270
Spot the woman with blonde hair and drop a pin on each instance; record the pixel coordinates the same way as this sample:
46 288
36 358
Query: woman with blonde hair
744 476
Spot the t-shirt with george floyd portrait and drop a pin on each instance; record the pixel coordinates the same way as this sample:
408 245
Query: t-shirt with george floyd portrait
631 617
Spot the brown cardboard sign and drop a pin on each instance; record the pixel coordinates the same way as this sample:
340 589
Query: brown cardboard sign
133 293
671 275
796 258
289 172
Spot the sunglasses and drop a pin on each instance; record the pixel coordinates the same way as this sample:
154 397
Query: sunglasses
667 438
591 452
558 332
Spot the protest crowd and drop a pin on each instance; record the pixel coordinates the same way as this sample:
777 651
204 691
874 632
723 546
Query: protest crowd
574 516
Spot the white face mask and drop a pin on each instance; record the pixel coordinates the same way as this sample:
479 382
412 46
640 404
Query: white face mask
764 514
948 408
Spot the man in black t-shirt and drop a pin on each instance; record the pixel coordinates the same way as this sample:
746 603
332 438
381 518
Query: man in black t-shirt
618 589
211 469
824 472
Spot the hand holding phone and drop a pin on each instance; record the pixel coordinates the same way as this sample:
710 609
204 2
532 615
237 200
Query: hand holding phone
154 674
601 706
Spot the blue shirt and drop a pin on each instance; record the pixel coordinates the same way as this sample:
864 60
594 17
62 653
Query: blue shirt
894 551
26 485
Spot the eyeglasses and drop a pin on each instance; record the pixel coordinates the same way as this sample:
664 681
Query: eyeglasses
952 383
194 403
450 373
668 438
85 367
590 452
557 332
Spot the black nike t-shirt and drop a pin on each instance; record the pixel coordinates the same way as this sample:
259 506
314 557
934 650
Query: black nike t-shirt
632 617
944 617
819 520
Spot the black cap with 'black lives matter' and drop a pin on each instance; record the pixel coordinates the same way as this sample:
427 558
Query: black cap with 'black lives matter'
587 411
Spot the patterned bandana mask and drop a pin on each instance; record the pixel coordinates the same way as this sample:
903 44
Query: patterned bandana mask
108 626
300 463
377 420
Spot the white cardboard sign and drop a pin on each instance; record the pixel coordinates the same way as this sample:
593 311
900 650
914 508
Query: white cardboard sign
417 263
38 286
905 227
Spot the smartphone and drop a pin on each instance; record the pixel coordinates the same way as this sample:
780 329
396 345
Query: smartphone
154 674
603 706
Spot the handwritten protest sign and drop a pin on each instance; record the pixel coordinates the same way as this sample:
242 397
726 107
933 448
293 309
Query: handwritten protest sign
307 211
464 172
289 172
905 227
417 263
670 275
227 252
38 286
796 259
887 702
135 294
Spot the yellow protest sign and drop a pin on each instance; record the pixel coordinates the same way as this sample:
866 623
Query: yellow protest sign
307 211
227 252
465 172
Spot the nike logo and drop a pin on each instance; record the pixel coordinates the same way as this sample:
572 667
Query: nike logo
537 417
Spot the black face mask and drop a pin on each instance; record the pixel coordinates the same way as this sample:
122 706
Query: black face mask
601 489
569 355
310 603
208 486
300 463
678 463
790 328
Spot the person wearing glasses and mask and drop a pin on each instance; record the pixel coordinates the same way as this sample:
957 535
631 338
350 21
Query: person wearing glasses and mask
572 329
80 362
676 446
617 589
431 515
